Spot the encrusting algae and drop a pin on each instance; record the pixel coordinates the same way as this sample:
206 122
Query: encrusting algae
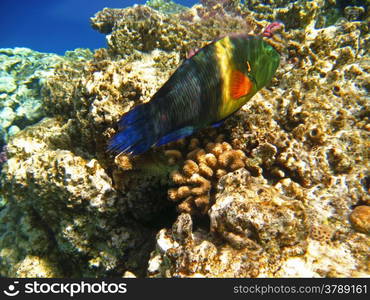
281 189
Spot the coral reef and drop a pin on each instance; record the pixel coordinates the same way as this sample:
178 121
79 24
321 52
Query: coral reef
280 190
74 202
265 234
198 174
55 172
141 28
305 140
256 213
360 218
98 92
299 13
166 6
21 74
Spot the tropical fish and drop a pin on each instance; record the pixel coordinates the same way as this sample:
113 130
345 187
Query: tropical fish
206 89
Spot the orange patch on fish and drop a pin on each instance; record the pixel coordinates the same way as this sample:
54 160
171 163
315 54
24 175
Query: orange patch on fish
240 85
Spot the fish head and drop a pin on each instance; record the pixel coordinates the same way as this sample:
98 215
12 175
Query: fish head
257 59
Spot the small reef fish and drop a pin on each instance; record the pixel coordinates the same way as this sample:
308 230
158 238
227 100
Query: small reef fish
207 88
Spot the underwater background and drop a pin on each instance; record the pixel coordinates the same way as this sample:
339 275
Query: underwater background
281 189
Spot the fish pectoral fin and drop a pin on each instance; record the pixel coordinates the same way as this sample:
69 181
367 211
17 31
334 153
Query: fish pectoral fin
175 135
241 85
218 124
221 122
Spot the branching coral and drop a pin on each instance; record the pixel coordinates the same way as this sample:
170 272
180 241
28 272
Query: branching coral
200 172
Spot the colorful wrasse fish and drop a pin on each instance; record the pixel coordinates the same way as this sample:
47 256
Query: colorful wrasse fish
205 90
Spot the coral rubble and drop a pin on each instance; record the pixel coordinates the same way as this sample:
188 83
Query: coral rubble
280 190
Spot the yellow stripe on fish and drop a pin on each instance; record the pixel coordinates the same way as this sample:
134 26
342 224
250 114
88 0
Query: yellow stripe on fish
236 85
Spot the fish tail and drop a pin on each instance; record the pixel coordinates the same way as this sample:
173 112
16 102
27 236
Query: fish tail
137 131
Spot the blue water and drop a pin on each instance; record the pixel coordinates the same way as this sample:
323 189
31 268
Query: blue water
55 25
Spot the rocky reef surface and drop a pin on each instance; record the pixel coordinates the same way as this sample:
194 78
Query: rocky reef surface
282 189
22 75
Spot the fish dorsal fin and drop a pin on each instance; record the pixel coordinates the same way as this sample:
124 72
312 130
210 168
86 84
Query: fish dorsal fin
240 84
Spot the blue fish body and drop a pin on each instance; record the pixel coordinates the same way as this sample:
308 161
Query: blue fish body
205 90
